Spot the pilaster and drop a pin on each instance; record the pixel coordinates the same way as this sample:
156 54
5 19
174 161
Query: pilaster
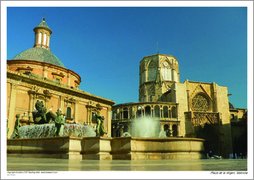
11 122
76 111
109 121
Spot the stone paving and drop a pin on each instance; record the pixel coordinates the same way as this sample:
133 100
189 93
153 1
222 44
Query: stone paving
40 164
126 169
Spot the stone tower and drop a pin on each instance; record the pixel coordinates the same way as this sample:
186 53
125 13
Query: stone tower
156 75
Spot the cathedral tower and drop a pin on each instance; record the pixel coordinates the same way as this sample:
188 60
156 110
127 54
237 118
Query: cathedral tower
156 75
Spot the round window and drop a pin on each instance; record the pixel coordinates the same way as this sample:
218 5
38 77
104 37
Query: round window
200 103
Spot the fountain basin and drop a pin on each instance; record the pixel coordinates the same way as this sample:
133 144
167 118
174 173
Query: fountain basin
138 148
105 148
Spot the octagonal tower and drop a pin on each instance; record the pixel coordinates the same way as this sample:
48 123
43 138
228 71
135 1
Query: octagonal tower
156 75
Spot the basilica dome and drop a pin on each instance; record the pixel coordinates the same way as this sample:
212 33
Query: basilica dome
39 54
39 62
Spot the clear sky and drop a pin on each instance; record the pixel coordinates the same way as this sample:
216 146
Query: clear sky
104 45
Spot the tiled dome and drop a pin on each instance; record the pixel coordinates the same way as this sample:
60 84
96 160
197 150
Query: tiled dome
231 106
39 54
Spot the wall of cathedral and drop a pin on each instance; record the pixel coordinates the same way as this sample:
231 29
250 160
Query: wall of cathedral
179 95
223 107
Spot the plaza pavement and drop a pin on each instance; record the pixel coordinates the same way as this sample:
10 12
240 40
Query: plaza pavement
40 168
40 164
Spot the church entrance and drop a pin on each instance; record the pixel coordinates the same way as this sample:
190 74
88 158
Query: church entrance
210 133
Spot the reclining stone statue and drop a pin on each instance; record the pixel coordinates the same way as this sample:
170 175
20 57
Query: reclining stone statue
41 116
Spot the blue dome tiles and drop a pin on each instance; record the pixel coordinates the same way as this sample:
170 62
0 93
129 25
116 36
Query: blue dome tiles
39 54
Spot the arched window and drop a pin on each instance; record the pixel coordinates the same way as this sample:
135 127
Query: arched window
125 129
157 111
117 114
125 113
40 38
173 110
166 71
45 39
68 115
174 128
165 112
170 114
148 111
152 68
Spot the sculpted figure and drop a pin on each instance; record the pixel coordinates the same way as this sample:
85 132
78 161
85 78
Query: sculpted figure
99 121
16 128
59 121
7 126
39 115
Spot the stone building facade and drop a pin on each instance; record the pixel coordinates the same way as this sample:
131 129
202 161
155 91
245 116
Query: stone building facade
37 74
188 109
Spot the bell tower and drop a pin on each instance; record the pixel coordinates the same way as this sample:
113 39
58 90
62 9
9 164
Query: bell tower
156 75
42 35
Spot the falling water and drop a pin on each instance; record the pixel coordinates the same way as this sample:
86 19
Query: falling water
47 130
145 127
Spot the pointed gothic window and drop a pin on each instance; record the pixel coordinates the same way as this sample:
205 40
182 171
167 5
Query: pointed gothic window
166 71
152 71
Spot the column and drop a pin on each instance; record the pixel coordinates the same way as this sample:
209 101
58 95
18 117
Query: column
170 130
162 127
109 121
177 106
76 111
178 129
173 71
88 115
128 113
62 105
215 97
12 114
188 94
31 107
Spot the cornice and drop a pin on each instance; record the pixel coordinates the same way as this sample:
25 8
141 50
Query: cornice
59 87
21 61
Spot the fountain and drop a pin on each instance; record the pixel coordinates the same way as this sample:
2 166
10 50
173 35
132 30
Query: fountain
76 141
47 130
146 141
144 127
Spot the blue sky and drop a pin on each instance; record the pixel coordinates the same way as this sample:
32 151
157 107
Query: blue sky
104 45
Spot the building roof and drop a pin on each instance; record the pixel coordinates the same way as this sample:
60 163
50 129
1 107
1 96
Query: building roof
231 106
39 54
43 24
